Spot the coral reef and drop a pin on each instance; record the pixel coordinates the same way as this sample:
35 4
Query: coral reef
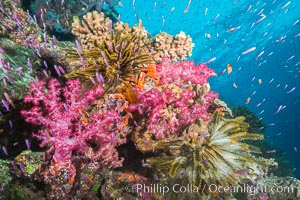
175 103
118 108
95 26
57 16
18 25
18 68
69 128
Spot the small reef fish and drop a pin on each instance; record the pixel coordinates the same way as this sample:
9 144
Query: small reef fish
233 29
186 10
206 9
27 144
204 136
271 80
249 50
221 73
229 68
291 90
260 54
261 112
234 85
4 150
271 151
280 108
248 100
210 60
285 5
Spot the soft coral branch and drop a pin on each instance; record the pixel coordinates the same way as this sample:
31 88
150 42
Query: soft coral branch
68 126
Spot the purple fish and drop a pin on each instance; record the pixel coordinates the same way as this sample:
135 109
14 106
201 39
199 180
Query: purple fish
82 61
14 166
54 39
104 58
249 50
280 108
92 80
4 82
222 72
18 69
29 63
4 150
5 104
99 78
119 19
22 167
57 70
45 37
204 136
45 64
11 125
27 142
61 69
291 90
79 50
66 107
210 60
9 78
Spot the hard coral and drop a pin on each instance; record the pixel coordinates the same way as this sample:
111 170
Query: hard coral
69 128
174 47
95 26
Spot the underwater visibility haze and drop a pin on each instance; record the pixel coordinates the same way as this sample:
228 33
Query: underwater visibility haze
156 99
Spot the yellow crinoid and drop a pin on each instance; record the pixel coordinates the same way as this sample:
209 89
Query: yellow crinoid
117 60
215 157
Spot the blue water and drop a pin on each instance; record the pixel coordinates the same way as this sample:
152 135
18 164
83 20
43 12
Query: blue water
214 18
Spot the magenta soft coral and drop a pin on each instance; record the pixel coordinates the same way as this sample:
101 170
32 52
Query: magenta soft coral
172 106
180 72
67 127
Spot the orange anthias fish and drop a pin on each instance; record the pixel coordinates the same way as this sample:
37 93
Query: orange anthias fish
229 68
248 100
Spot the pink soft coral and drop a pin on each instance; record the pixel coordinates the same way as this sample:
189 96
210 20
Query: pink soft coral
183 72
174 104
67 127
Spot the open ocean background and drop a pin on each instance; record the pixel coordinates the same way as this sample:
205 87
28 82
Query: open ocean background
278 32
